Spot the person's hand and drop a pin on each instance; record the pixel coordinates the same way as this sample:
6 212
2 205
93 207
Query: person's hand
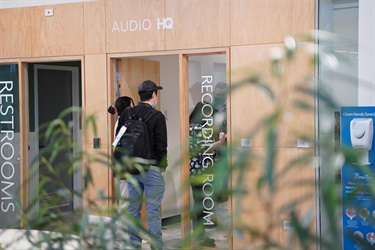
214 146
223 138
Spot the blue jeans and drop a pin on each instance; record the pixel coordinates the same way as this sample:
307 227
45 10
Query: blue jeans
152 184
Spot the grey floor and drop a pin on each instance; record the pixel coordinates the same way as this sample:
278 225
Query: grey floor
172 238
172 233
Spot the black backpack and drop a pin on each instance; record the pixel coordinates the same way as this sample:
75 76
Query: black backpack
133 150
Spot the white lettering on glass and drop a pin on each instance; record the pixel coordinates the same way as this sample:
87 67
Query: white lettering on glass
7 151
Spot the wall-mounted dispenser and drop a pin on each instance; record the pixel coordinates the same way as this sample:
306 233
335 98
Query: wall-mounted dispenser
361 136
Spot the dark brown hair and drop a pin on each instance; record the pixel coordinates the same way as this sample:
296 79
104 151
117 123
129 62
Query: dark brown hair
122 103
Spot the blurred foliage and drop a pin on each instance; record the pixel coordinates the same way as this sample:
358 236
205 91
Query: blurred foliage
74 227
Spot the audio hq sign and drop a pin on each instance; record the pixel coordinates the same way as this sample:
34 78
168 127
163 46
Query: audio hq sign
142 25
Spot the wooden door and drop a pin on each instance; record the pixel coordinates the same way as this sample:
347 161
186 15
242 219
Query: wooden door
133 71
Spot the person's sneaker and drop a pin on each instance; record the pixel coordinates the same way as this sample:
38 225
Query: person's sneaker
207 242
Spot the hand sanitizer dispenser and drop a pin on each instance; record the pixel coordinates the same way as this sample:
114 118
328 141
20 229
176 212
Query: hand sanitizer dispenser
361 134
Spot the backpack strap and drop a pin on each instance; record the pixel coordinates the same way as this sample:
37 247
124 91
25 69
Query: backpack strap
131 115
150 115
135 116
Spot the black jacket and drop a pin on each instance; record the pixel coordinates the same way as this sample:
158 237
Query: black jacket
157 128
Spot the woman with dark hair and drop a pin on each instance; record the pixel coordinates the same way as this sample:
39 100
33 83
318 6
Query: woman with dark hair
122 103
121 187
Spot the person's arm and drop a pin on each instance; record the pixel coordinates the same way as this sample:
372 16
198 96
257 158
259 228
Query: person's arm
120 122
161 142
214 146
115 128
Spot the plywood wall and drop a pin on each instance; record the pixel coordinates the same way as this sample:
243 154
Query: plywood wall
198 24
261 22
130 26
249 28
95 105
28 32
125 26
94 27
253 103
260 212
15 35
269 92
60 34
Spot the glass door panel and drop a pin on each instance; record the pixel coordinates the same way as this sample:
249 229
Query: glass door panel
10 167
208 170
54 89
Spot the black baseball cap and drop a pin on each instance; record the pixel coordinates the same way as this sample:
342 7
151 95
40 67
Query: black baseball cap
148 86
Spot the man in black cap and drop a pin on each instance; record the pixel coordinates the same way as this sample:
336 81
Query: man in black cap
151 182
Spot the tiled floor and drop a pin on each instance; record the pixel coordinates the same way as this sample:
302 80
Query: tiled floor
172 233
16 239
172 238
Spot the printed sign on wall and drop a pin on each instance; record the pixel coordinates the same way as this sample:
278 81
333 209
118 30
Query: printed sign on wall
358 203
9 147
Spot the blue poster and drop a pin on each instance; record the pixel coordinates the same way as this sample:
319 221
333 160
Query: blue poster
357 174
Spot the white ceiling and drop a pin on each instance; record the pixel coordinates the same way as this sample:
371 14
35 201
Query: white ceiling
6 4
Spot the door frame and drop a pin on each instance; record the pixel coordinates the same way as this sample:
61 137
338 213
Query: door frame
77 134
24 117
184 121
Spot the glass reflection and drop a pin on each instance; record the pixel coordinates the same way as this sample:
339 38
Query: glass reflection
207 142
